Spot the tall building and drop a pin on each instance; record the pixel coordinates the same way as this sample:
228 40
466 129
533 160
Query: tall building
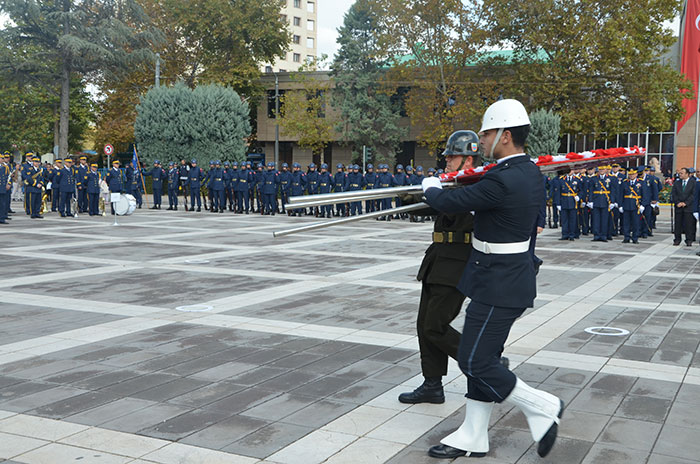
301 16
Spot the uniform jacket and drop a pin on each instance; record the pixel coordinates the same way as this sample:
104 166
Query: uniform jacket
65 179
114 180
632 195
93 183
195 177
298 183
158 175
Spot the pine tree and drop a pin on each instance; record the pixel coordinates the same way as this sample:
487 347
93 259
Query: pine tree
369 117
544 133
57 40
210 122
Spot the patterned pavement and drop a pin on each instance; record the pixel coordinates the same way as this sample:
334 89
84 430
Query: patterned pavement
198 338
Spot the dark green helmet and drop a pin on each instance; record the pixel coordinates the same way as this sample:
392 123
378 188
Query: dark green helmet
462 143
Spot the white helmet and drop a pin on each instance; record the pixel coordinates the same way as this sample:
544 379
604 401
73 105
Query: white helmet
503 114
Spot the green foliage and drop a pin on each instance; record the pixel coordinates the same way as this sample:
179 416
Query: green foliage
602 69
208 123
368 117
544 133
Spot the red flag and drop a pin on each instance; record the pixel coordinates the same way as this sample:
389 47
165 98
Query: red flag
690 59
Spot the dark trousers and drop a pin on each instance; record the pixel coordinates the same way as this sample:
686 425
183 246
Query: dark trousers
64 206
630 220
327 210
340 208
172 197
82 200
55 199
243 200
3 205
601 217
195 194
568 223
136 193
157 193
645 219
371 206
684 223
486 329
585 220
355 208
555 216
218 200
230 199
93 203
269 202
284 197
439 305
34 203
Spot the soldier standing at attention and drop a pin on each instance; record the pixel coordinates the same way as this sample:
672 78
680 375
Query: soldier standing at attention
194 183
158 174
173 181
81 181
242 187
312 185
285 184
93 190
268 189
499 280
298 185
325 184
370 179
114 180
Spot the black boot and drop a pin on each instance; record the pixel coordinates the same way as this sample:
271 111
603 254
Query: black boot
429 392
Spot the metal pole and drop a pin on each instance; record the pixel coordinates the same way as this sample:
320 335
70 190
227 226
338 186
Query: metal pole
646 155
364 157
277 124
697 120
157 69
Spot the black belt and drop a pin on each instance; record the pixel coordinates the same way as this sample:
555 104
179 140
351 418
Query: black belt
451 237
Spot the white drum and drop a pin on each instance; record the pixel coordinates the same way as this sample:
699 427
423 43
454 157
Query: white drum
126 205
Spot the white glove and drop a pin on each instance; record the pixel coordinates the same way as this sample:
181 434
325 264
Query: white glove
641 209
612 206
558 207
430 182
622 210
697 216
576 198
590 205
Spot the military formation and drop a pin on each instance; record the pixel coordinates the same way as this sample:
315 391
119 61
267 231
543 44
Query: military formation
605 202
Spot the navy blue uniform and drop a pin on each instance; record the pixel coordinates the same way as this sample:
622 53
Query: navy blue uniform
92 189
195 177
630 198
506 202
325 185
158 175
566 196
268 188
81 182
66 180
285 178
650 194
173 184
385 180
298 186
602 193
114 182
242 188
5 189
339 179
217 187
354 182
370 179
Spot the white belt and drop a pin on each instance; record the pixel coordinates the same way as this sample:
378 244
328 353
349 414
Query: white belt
500 248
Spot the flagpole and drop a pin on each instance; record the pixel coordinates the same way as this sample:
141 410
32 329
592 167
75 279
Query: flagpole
145 196
697 120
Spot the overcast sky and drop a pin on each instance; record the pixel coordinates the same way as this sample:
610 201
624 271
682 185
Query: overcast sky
330 18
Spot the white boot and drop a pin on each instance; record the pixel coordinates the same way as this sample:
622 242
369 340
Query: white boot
541 409
473 435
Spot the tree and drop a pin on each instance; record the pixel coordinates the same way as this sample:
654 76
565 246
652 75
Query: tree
595 63
431 46
368 116
302 112
544 133
209 122
68 38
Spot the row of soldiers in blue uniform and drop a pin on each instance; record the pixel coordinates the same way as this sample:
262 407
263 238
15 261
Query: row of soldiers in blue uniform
240 188
606 202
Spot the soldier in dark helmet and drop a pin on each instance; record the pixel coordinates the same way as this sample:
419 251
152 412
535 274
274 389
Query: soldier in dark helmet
440 271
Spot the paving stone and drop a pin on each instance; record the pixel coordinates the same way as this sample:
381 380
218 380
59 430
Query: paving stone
144 418
109 411
206 395
242 400
279 407
596 401
289 380
612 383
268 440
138 384
635 434
166 391
73 405
679 442
606 454
40 398
644 407
319 413
183 425
225 432
689 393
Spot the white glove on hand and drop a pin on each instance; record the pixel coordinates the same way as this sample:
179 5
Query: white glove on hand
590 205
558 207
697 216
622 210
429 182
641 209
576 198
612 206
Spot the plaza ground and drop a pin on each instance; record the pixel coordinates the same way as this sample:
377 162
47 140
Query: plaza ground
199 338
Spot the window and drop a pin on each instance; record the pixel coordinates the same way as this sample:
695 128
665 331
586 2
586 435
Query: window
268 69
271 103
309 42
310 7
297 21
283 70
296 39
297 3
310 24
283 17
296 58
310 59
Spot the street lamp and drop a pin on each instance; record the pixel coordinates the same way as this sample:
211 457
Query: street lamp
277 123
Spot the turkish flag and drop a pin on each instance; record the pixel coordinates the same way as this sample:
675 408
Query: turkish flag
690 59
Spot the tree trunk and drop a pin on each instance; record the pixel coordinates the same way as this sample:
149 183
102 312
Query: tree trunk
55 132
65 110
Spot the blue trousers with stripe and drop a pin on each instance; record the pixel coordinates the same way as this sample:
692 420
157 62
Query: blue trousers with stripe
486 329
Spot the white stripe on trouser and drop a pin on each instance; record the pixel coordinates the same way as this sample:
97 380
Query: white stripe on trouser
473 434
540 408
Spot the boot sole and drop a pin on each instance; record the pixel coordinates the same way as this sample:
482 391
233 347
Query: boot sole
431 401
547 443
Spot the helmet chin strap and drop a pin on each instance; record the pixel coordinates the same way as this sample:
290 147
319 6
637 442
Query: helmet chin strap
495 141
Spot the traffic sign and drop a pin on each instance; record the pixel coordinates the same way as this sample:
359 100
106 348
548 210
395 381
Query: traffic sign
109 149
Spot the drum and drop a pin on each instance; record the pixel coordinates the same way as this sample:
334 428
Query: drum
126 205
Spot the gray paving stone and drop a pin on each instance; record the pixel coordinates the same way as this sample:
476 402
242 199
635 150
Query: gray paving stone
569 377
183 425
206 395
166 391
361 392
225 432
630 433
655 388
289 380
661 459
268 440
680 442
138 384
72 376
279 407
319 413
606 454
617 384
684 415
45 370
689 393
533 372
144 418
582 425
322 387
241 400
35 400
73 405
644 407
108 378
107 412
19 389
596 401
256 376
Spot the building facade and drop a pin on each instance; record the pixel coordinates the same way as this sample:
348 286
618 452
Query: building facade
301 15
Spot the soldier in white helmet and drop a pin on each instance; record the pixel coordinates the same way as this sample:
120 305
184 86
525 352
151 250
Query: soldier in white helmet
500 281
